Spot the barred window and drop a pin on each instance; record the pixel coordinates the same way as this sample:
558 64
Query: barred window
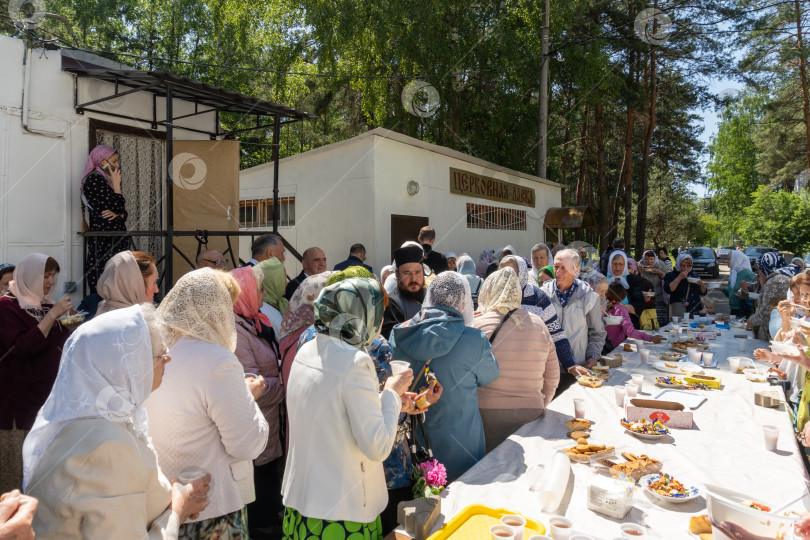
482 216
258 213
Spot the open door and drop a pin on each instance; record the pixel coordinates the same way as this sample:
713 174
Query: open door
206 196
404 228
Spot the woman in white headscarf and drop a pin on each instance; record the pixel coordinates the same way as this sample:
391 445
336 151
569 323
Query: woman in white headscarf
619 272
461 357
88 458
205 411
526 356
541 257
31 341
684 296
739 271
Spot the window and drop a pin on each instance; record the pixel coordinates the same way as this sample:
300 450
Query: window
482 216
258 213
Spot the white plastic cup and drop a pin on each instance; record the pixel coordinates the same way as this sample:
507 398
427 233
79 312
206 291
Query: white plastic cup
499 531
641 345
708 358
516 523
732 317
685 317
250 376
741 345
579 407
189 475
632 389
734 363
638 380
631 530
561 528
771 437
676 320
645 356
398 366
694 356
619 392
540 537
582 537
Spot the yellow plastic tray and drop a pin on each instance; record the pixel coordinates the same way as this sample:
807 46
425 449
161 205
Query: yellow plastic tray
474 521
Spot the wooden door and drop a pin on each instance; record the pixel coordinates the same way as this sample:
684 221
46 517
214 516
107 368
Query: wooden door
404 228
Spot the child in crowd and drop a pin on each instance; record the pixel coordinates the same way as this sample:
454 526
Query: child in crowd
619 332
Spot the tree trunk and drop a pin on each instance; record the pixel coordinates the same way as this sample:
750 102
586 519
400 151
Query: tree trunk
582 158
627 169
803 77
566 139
603 211
641 217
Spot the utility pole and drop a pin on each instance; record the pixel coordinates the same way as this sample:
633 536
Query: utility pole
542 160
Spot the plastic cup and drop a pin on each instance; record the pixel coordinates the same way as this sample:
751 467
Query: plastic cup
189 475
676 320
540 537
632 389
734 363
685 317
579 407
398 366
771 437
694 356
619 392
561 528
250 376
500 531
631 530
516 523
638 380
645 356
741 346
732 317
582 537
641 345
708 358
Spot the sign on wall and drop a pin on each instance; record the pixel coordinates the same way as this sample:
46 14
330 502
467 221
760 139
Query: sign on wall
486 187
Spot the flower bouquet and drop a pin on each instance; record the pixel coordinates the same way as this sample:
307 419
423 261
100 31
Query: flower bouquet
429 478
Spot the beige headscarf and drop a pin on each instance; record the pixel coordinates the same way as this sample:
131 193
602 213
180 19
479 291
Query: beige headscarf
199 306
500 292
121 284
28 284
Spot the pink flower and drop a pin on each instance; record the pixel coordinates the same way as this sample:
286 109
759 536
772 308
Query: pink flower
434 472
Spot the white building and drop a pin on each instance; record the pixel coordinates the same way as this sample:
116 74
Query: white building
381 187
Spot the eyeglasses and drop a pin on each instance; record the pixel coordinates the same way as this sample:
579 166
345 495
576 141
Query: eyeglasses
219 263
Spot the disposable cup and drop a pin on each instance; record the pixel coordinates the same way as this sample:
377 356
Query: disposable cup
517 524
500 531
250 376
771 437
733 363
708 358
619 392
632 389
398 366
685 316
676 320
579 407
741 345
638 380
561 528
632 530
645 356
189 475
694 356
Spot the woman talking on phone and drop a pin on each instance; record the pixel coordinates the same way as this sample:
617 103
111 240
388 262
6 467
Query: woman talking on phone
101 195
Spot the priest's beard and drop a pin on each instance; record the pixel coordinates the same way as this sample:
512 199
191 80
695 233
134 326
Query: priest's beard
417 297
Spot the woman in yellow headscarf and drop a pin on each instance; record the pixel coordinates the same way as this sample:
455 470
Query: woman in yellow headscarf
275 282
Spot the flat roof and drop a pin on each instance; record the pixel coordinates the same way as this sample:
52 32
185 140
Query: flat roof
435 148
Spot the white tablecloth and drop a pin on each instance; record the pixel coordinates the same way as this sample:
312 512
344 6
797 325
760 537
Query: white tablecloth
725 447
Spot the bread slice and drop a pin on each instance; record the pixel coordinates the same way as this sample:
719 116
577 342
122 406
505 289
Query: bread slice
578 424
700 524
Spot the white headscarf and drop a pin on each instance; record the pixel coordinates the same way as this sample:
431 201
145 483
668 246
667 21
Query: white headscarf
121 283
465 266
534 272
199 306
451 289
500 292
28 281
106 372
737 261
625 272
680 259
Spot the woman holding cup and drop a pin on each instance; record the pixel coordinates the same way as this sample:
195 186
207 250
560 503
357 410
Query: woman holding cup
684 287
89 462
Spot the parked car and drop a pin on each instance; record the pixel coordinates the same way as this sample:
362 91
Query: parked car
755 252
724 252
704 261
806 260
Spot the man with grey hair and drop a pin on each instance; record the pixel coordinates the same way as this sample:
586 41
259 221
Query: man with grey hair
579 309
313 261
266 247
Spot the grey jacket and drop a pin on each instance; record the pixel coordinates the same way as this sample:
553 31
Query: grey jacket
582 320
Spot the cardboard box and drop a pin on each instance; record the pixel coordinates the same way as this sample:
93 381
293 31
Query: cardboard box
709 380
670 413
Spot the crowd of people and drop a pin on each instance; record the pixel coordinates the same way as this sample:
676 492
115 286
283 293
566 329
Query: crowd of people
247 404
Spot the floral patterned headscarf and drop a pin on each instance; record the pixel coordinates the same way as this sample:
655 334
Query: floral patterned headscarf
300 312
350 310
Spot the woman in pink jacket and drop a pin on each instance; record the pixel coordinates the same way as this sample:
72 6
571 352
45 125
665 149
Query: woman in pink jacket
257 351
526 356
617 333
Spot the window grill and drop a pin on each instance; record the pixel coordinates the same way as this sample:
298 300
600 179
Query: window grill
258 213
482 216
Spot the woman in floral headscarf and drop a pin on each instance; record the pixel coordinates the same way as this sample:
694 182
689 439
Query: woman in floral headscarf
105 209
527 359
775 278
341 426
31 341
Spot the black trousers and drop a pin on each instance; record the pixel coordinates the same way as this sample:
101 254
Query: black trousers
266 510
389 515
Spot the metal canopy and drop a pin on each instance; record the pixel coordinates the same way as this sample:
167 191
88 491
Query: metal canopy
570 217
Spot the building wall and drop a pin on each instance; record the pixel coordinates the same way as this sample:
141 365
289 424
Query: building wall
396 163
40 209
333 189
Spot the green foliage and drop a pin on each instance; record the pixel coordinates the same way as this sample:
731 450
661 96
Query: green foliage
778 218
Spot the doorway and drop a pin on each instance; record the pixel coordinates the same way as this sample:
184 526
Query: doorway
404 228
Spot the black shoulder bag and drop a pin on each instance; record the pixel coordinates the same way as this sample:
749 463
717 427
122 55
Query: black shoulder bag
500 325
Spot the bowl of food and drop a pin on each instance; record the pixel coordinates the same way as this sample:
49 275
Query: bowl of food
784 347
644 429
672 356
714 285
590 381
744 512
73 319
665 488
613 320
693 279
753 296
801 324
755 375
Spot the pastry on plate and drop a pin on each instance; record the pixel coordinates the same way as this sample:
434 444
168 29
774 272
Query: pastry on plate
578 424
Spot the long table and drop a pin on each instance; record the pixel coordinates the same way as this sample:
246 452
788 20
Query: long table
725 447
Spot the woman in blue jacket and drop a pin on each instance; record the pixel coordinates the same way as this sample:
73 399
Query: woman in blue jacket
461 358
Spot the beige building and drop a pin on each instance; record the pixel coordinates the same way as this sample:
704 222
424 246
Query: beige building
380 187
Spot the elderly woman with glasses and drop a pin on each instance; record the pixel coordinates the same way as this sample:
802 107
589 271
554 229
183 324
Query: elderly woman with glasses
684 287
